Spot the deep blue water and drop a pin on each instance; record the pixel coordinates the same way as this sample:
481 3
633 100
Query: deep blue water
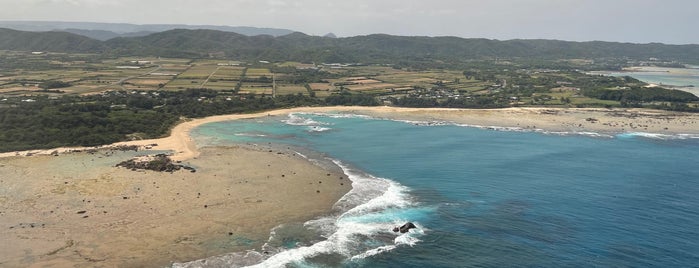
484 198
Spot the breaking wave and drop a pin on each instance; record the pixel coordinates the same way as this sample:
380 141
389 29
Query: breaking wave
361 228
295 119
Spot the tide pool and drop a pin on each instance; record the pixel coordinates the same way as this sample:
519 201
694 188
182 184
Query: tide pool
485 198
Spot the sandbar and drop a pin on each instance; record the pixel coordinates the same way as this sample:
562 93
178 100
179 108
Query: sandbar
78 210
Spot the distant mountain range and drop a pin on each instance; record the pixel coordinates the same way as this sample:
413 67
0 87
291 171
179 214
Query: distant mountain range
376 48
106 31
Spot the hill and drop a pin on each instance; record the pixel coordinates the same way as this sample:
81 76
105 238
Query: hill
376 48
105 31
387 48
48 41
103 35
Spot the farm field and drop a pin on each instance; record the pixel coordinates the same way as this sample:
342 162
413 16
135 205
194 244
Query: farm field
90 74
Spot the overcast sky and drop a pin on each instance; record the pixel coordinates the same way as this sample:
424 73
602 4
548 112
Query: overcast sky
638 21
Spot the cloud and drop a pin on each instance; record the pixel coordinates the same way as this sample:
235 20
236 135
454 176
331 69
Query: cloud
618 20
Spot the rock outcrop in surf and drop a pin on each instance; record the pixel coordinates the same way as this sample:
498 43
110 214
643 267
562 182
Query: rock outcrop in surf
404 228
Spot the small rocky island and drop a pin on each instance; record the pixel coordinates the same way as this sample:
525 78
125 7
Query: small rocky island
158 162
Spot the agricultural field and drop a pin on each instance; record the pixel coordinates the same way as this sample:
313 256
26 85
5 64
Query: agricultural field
228 73
258 72
198 72
220 85
322 86
285 89
29 74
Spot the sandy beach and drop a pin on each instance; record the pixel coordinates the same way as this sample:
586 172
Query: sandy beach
77 209
590 120
573 120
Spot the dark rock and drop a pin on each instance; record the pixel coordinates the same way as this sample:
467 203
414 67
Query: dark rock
405 227
82 212
159 162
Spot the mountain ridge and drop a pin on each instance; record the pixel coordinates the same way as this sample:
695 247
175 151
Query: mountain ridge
376 48
99 30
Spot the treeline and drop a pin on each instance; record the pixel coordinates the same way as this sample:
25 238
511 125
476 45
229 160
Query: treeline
346 98
641 94
117 116
479 102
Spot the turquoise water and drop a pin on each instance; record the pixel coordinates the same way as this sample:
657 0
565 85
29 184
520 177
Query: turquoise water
685 79
680 78
485 198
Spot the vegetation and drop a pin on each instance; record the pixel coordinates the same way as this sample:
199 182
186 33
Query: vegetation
54 84
117 116
346 98
48 41
638 95
376 48
131 90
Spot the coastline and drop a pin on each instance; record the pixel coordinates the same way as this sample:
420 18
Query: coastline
78 210
231 203
567 120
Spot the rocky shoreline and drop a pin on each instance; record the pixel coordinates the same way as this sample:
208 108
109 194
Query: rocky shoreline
158 162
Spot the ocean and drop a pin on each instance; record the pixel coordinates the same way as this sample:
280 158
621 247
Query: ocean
480 197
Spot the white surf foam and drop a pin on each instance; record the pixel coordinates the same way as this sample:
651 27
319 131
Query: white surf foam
658 136
249 135
409 239
295 119
361 228
340 115
318 129
359 221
